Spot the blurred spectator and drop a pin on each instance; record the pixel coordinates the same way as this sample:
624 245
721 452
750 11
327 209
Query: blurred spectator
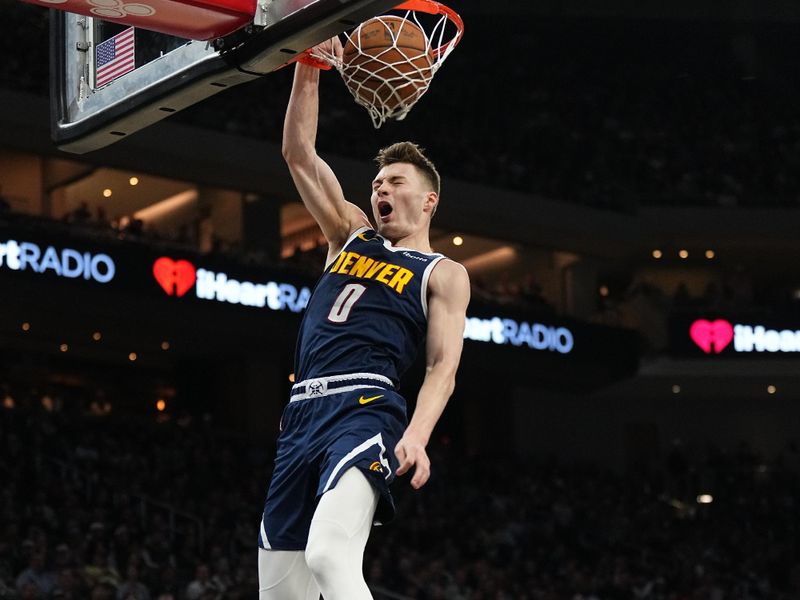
712 296
63 557
80 215
67 586
103 591
201 586
532 296
132 588
98 569
101 217
133 227
222 580
739 289
36 575
681 298
30 591
5 205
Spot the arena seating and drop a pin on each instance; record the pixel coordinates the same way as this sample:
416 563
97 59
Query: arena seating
611 114
97 506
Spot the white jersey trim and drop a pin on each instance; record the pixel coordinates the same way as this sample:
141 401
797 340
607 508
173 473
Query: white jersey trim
344 377
339 390
264 539
424 285
377 439
391 247
321 385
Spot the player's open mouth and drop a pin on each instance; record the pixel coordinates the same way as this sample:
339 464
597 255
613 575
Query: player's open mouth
384 209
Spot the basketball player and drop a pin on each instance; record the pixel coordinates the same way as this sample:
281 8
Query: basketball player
345 434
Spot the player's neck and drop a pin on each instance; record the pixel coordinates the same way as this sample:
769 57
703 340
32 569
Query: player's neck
416 241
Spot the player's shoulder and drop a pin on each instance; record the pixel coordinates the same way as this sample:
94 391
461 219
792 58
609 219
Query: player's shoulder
449 277
358 226
447 267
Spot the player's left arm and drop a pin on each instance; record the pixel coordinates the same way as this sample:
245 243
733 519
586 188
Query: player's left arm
448 296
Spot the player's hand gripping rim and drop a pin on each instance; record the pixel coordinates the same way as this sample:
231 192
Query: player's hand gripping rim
324 55
412 453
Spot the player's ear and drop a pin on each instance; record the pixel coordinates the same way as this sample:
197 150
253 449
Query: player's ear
431 202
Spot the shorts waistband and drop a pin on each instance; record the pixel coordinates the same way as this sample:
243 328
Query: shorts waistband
336 384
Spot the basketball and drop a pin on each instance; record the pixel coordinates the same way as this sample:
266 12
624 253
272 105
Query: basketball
387 61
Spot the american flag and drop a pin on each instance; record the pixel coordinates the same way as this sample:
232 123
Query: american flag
114 57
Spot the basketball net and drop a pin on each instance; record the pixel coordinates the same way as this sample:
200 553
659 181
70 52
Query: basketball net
402 81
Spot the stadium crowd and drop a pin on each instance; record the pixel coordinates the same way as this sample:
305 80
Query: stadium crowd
609 113
105 507
632 114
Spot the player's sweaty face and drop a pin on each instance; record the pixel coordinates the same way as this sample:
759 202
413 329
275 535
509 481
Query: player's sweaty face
398 199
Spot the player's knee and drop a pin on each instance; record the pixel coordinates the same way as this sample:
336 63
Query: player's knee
321 563
283 574
327 551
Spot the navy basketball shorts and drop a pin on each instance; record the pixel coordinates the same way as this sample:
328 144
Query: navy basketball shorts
324 432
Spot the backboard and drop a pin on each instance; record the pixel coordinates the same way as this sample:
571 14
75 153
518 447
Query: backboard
110 79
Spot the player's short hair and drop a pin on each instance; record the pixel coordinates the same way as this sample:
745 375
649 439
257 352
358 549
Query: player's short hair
409 152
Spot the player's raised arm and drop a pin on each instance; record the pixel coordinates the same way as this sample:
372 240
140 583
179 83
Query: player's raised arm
318 187
448 297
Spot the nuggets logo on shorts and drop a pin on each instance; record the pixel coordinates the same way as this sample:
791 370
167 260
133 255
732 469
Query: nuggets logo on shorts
376 466
316 388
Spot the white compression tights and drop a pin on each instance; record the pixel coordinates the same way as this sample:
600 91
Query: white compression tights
332 562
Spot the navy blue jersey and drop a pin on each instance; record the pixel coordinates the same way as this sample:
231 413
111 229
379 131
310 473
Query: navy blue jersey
368 312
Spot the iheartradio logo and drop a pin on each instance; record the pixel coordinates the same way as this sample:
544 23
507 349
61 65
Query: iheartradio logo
176 277
714 336
711 336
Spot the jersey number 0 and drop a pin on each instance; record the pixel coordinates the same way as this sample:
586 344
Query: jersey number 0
344 302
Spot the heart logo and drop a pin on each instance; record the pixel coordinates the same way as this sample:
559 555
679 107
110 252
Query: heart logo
175 276
711 336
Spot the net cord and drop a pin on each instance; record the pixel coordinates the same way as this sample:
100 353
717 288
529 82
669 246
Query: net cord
399 74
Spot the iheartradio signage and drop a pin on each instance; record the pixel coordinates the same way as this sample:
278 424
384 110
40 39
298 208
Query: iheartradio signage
61 262
518 333
713 337
178 277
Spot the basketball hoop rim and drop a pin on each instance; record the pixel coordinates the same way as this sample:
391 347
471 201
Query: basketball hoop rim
432 7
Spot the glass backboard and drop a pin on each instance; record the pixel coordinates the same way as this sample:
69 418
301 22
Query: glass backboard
110 79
